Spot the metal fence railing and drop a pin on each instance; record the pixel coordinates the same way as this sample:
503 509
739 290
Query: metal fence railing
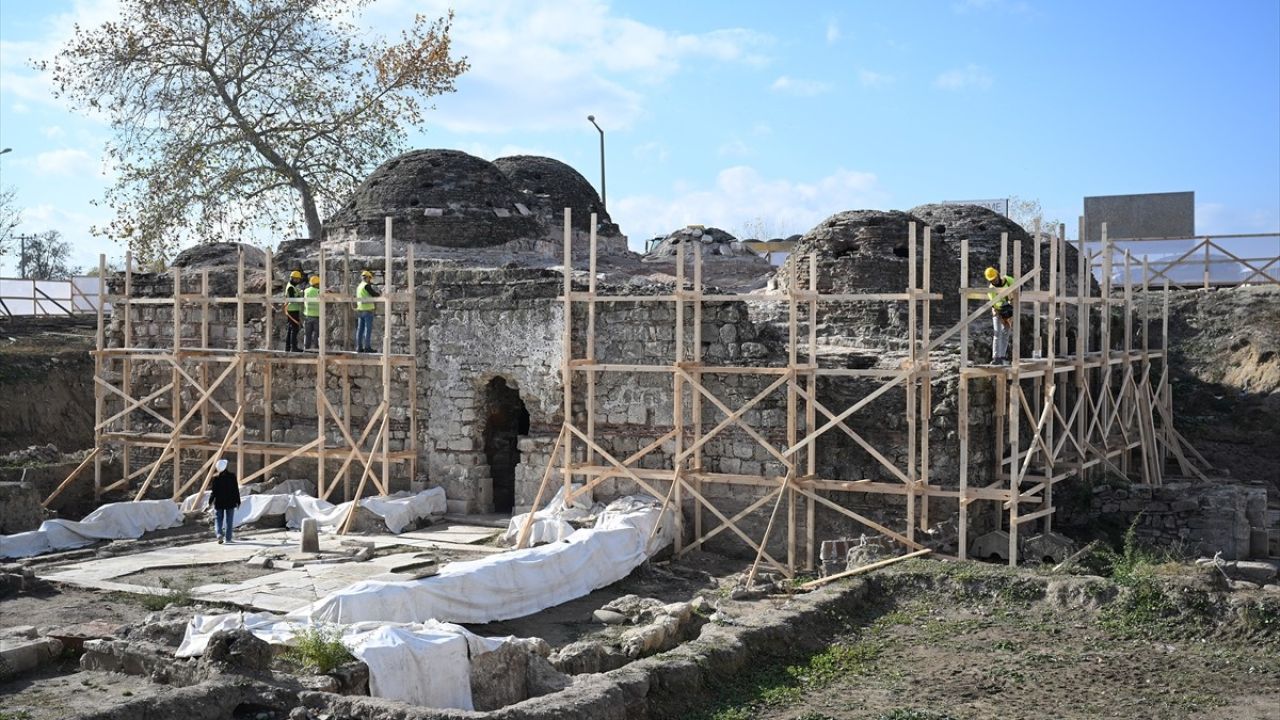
73 296
1196 262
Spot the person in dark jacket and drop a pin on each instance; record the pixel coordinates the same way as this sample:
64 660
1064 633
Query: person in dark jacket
224 495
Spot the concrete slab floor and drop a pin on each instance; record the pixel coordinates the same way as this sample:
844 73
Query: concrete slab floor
282 591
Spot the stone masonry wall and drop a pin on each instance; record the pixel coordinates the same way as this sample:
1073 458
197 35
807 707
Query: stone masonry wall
1201 519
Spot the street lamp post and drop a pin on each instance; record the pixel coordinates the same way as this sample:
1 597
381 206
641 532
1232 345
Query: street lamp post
604 203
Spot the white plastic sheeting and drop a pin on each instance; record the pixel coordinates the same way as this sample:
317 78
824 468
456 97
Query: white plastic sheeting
551 524
425 664
397 511
512 584
113 521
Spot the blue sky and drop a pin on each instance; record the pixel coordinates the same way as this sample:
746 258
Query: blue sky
768 116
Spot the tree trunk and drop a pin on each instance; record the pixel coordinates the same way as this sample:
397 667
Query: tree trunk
315 230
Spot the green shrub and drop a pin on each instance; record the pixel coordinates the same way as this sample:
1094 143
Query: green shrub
319 650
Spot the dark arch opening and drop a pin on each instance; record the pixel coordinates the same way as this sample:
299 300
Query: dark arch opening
506 419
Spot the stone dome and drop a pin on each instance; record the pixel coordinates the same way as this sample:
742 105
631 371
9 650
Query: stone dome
550 186
715 242
439 197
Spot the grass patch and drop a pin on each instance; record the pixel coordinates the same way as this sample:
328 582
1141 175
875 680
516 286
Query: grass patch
781 685
319 650
15 715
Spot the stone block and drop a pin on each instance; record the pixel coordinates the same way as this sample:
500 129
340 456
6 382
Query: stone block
22 655
994 544
310 536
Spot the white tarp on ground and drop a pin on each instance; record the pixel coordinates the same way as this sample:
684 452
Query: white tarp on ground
512 584
397 511
425 664
398 629
551 524
113 521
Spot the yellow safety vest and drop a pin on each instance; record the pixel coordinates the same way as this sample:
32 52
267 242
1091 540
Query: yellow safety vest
362 291
291 291
312 299
1008 282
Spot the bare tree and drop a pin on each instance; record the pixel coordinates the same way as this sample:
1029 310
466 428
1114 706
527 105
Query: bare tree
236 115
44 256
1026 211
10 218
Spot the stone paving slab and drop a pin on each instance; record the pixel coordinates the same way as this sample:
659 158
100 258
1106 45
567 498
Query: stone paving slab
278 592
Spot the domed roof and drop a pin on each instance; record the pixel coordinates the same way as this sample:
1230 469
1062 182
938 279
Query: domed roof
714 242
553 186
440 197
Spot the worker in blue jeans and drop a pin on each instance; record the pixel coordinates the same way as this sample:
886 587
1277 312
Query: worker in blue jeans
224 495
365 292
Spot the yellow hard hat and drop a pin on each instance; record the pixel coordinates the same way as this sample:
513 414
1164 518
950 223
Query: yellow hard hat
366 273
295 275
315 280
991 274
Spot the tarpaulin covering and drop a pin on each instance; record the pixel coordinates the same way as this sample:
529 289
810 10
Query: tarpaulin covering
511 584
113 521
397 511
551 524
421 663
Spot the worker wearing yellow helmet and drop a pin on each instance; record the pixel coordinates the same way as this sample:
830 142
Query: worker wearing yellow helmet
1001 315
293 311
365 291
311 309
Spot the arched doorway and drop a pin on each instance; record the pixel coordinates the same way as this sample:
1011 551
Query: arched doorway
506 419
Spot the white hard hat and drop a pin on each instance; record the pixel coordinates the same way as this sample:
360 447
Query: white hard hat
222 465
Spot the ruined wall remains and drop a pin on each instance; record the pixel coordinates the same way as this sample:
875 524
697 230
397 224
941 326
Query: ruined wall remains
1199 519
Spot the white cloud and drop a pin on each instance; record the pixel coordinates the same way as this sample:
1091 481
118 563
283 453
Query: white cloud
71 162
74 226
19 79
741 197
493 152
653 150
872 79
969 76
734 148
545 66
833 32
53 132
799 86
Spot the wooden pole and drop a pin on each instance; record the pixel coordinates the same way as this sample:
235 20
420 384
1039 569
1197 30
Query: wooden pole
962 417
810 413
99 396
566 350
387 322
813 584
321 374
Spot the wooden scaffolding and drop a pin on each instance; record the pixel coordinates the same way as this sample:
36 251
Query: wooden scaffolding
1060 413
220 396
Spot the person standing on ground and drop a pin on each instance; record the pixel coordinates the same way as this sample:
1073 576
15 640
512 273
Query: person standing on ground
1001 315
311 309
224 495
293 311
364 312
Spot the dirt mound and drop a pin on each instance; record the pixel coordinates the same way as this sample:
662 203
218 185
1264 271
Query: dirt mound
1225 354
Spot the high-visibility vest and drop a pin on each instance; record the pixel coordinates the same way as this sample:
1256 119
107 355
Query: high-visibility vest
312 299
291 291
362 291
1008 282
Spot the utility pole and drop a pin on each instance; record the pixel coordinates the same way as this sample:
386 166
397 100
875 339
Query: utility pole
604 203
22 255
